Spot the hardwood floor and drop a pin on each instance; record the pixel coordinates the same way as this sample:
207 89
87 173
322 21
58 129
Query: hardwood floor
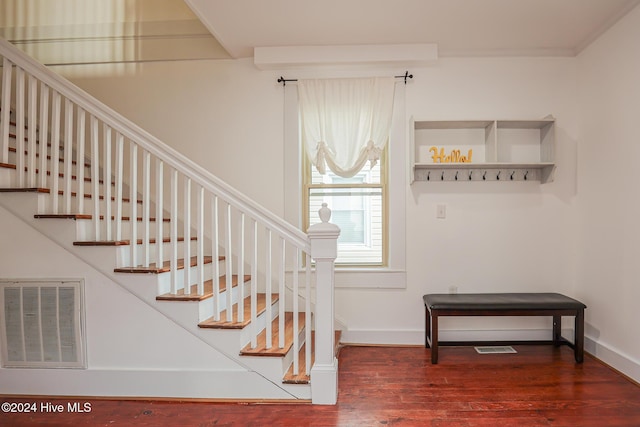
538 386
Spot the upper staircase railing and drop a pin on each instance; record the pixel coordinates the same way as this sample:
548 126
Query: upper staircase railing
143 193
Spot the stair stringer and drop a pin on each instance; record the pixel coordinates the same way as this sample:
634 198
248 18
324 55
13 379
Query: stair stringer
265 372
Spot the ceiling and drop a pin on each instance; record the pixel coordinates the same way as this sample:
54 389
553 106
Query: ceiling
458 27
107 31
103 31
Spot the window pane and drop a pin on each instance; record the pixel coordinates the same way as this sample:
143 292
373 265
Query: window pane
358 213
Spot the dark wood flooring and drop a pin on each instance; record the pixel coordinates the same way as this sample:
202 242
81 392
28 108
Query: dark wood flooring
538 386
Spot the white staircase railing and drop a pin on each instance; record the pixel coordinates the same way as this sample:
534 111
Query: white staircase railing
142 191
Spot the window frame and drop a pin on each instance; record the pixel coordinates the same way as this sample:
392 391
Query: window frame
307 186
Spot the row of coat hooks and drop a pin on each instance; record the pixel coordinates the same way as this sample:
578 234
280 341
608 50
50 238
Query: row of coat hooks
405 77
478 175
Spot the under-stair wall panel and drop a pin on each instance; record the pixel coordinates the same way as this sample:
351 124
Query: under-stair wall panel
129 346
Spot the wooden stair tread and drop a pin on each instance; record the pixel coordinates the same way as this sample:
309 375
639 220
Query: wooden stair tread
73 177
223 323
26 138
60 160
152 241
261 347
62 216
302 377
208 289
24 190
101 197
166 267
89 216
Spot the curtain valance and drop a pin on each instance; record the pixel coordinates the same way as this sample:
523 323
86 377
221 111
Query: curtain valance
345 122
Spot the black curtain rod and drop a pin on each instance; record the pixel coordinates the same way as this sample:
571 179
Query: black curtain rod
405 77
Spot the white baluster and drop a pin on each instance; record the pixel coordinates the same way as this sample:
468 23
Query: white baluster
5 106
68 154
254 288
106 180
43 134
95 177
55 149
20 125
215 253
159 211
187 235
119 178
173 235
296 325
146 207
228 265
80 161
33 127
133 197
241 262
268 291
281 293
200 240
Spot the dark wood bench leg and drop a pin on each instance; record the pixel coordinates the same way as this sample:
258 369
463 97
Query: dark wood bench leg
427 327
579 336
557 330
434 338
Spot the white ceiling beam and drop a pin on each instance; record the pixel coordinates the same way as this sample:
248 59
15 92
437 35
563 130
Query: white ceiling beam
292 57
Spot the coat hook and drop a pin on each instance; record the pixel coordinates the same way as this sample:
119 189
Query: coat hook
498 176
442 176
525 175
511 177
456 175
484 176
470 173
428 175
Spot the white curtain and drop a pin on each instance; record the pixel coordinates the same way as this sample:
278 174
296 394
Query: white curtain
345 122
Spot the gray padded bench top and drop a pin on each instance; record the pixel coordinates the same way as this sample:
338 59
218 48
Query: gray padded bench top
501 301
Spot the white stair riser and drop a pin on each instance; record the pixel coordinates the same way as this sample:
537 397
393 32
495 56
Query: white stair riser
86 230
123 253
205 308
164 279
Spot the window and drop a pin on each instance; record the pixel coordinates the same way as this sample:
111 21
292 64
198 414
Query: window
358 207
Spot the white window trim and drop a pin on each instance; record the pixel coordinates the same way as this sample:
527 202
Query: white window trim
393 276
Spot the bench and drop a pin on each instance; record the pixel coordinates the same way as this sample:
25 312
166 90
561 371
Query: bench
505 304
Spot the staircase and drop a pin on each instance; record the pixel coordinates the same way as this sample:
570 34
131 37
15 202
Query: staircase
168 231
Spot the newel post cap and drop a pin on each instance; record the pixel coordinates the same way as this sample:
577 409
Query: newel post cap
324 236
325 229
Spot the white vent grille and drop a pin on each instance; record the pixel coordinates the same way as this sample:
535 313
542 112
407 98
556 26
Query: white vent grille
495 350
42 324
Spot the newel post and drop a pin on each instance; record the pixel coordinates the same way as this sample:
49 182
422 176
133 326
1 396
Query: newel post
324 250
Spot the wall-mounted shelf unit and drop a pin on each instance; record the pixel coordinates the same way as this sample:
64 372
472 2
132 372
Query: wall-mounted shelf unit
501 150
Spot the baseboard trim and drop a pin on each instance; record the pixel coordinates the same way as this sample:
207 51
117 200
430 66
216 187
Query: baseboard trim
151 384
626 365
416 337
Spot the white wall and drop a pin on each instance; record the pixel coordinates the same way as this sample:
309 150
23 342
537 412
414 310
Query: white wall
498 236
228 116
577 235
608 203
224 115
